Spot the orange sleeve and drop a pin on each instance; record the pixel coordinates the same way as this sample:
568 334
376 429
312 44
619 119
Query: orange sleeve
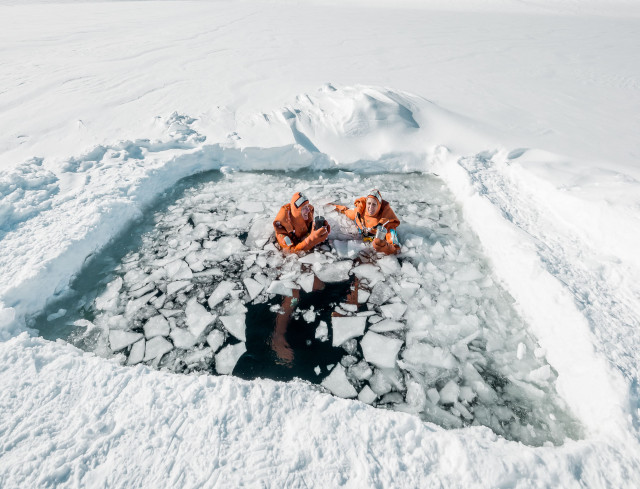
386 247
359 206
281 232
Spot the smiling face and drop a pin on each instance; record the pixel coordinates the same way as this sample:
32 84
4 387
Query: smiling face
372 206
305 211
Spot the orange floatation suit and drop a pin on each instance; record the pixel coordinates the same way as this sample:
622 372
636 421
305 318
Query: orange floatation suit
295 233
368 225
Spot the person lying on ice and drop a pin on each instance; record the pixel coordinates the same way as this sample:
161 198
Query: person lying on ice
295 227
376 221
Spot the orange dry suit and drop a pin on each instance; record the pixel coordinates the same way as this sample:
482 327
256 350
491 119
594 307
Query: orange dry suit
368 225
293 232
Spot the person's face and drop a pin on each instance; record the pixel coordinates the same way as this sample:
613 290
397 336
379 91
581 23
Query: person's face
305 211
372 206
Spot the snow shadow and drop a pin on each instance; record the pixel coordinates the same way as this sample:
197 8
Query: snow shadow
198 285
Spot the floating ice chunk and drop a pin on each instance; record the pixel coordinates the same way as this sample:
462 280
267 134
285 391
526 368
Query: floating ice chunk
56 315
156 326
309 316
156 347
437 249
223 289
381 293
198 318
234 307
422 355
136 355
134 305
224 248
433 395
366 395
170 312
371 273
215 339
333 272
119 339
349 307
379 383
227 358
253 287
466 394
250 206
408 270
311 258
178 270
460 350
159 301
317 370
108 301
84 323
366 313
449 393
462 410
408 290
350 346
322 331
521 350
363 296
392 398
389 265
338 383
345 328
415 396
235 325
259 232
540 375
468 274
360 371
281 288
306 282
241 221
393 311
174 287
387 325
379 350
182 338
142 291
198 356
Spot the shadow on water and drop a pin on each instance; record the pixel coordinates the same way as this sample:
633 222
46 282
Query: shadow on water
281 344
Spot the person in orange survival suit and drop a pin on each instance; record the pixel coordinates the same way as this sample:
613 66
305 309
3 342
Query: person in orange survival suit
376 221
295 227
295 231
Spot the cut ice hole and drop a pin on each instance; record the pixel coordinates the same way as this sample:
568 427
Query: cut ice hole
200 285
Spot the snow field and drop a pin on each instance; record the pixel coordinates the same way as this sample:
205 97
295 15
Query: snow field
562 79
441 341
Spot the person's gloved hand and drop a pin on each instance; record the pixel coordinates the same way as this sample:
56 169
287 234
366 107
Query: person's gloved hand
318 235
341 208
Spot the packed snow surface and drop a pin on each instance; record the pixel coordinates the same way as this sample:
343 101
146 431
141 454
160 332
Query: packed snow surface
527 112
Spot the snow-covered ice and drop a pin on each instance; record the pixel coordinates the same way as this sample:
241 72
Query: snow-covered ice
515 299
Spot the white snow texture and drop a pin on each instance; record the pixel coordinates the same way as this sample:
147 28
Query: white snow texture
519 260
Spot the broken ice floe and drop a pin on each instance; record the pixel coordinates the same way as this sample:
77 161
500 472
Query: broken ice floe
426 332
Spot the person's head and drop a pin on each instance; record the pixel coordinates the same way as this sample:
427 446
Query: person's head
374 202
300 205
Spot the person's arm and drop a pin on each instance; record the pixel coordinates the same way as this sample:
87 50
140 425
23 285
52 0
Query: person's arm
315 237
390 245
352 213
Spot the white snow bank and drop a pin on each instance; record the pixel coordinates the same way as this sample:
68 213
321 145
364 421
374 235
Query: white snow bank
70 418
